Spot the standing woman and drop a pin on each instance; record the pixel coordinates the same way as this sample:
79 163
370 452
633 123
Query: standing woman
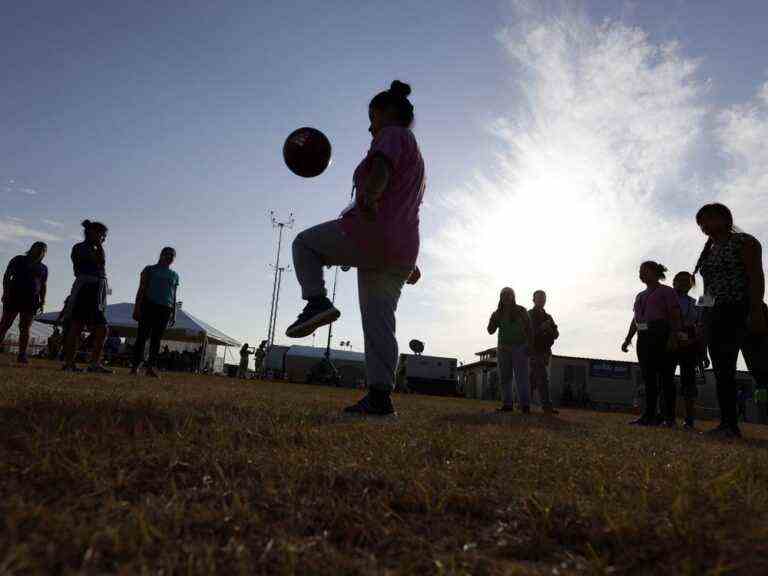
24 288
155 309
656 321
515 340
734 313
87 302
379 235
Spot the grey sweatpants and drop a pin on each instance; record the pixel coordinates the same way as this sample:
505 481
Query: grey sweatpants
378 288
513 362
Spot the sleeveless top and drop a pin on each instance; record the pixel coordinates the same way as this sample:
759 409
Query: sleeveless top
723 270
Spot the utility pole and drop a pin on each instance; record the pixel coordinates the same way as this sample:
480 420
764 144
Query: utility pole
271 336
281 226
330 326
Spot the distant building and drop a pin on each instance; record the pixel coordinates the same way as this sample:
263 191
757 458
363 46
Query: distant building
433 375
301 360
594 382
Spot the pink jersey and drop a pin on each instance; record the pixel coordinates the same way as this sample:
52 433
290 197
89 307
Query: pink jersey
393 238
656 304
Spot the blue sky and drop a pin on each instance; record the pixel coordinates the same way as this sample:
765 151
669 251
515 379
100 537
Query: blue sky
602 123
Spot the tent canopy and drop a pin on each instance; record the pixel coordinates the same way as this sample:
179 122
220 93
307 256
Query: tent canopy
187 327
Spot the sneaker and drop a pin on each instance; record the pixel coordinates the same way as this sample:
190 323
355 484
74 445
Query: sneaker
506 408
373 404
722 430
317 313
22 359
98 369
71 368
150 372
642 421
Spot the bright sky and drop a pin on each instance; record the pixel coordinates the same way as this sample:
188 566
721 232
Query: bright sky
564 144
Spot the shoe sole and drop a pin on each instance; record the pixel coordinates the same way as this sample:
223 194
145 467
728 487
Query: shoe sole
313 324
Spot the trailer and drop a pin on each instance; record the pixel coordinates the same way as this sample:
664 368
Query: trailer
432 375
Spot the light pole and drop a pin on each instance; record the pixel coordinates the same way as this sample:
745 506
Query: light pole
280 225
271 336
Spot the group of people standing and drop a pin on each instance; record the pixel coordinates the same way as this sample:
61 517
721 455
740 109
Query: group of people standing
731 317
25 287
524 349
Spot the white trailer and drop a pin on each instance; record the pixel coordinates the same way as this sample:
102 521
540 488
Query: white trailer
435 375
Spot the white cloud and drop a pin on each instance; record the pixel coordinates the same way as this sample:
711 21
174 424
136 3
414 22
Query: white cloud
605 124
14 233
28 191
742 132
52 223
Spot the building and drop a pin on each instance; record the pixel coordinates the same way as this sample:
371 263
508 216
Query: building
433 375
300 361
594 382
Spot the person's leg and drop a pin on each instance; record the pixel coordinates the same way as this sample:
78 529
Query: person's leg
506 375
724 353
71 342
649 374
25 323
319 246
99 336
141 339
159 322
520 362
543 384
687 361
667 380
6 322
379 292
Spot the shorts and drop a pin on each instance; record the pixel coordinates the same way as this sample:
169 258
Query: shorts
86 309
21 304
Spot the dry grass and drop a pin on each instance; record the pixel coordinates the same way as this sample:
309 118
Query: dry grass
208 475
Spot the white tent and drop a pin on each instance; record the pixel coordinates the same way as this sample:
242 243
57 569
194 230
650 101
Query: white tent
187 327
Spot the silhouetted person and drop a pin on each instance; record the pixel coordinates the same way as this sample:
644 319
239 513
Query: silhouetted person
245 352
545 333
87 302
379 235
155 309
735 316
515 339
54 344
24 289
690 346
656 321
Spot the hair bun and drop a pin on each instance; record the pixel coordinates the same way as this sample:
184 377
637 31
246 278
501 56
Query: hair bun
400 89
85 223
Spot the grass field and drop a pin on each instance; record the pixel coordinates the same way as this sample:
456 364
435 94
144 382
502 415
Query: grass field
210 475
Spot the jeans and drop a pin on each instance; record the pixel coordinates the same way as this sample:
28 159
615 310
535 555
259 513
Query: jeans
378 286
658 370
540 376
154 321
513 363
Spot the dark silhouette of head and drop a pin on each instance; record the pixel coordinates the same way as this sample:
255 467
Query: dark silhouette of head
652 272
95 232
391 107
683 282
167 256
37 251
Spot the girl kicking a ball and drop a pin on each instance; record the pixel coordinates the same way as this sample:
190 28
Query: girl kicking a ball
379 235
